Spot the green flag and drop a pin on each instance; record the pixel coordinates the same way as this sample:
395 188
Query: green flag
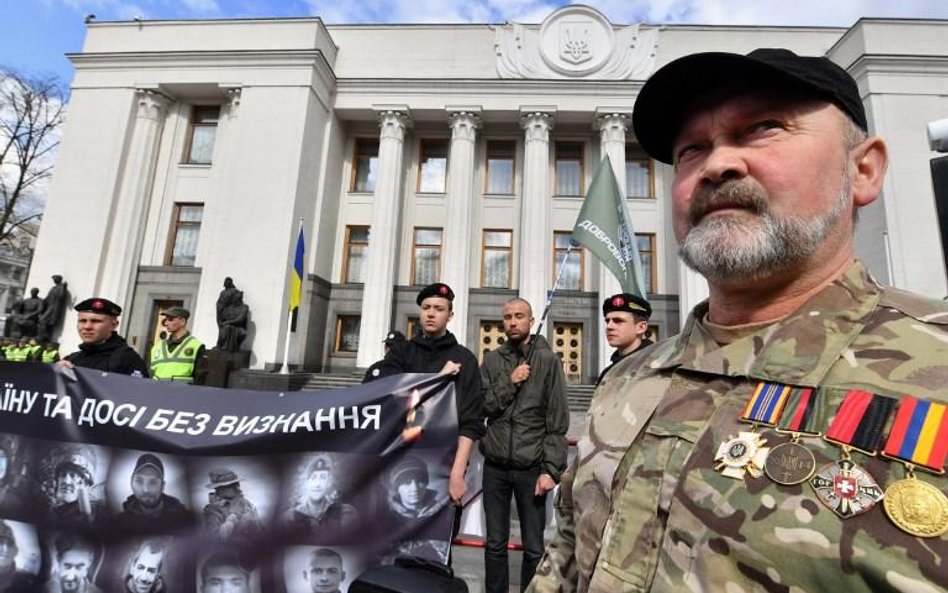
604 228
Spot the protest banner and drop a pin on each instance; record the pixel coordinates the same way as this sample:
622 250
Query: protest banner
114 483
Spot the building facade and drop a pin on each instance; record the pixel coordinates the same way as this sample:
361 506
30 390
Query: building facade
414 154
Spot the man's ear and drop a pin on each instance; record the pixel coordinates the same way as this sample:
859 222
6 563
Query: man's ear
870 159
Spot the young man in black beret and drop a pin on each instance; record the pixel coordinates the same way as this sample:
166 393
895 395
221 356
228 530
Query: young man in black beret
435 350
102 348
626 320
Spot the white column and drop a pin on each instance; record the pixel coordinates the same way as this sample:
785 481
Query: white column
123 243
536 233
456 261
612 129
692 289
380 262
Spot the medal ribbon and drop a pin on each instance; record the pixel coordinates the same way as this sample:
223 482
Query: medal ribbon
919 434
766 404
804 412
860 419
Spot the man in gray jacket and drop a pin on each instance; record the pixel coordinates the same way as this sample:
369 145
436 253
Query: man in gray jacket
525 446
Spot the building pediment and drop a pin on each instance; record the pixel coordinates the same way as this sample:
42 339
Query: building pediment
575 42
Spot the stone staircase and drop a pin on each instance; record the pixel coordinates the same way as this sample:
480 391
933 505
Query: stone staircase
579 396
327 381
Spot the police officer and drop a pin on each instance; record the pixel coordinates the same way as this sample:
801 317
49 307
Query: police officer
393 338
173 358
626 320
50 353
102 348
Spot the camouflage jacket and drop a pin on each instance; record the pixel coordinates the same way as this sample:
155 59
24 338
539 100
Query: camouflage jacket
643 509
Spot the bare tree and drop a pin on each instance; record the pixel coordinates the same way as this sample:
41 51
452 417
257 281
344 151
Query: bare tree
31 113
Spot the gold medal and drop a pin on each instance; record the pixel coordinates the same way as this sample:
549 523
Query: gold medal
916 507
790 463
742 454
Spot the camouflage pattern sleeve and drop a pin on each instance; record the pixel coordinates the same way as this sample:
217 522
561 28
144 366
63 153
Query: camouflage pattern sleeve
651 508
557 570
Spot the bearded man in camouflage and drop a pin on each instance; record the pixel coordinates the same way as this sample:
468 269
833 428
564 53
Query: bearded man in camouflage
704 468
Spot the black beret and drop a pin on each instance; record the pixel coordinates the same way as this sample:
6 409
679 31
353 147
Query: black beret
437 289
628 303
665 99
100 306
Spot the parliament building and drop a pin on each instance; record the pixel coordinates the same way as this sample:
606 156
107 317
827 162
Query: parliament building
414 154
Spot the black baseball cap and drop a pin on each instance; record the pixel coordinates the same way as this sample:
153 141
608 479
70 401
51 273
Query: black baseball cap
667 95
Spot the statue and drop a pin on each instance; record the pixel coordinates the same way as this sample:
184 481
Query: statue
54 308
26 315
232 316
226 298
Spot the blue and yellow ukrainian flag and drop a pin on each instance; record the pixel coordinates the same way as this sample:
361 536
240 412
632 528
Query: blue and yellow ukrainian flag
296 279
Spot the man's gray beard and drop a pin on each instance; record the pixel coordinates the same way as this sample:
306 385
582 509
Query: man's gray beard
733 248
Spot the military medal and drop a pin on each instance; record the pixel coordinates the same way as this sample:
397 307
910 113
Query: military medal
843 486
746 453
742 453
792 463
918 438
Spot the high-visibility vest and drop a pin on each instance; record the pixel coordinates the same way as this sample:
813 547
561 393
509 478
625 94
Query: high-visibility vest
177 364
50 355
18 353
34 352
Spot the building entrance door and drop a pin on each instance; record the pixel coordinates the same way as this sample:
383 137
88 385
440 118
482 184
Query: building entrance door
490 337
568 345
155 329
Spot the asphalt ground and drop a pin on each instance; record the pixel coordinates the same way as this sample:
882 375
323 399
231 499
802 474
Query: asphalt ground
468 562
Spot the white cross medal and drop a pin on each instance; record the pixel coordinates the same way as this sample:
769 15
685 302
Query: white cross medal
742 454
846 488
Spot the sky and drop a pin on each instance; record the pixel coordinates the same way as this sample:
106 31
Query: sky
36 34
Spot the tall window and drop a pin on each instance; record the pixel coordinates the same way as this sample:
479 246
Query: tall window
569 169
201 135
500 167
638 175
357 245
185 230
646 244
426 256
347 333
495 258
365 165
572 278
433 166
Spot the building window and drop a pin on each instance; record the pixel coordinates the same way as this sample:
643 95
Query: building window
414 326
426 256
646 244
496 252
356 249
569 169
433 166
500 167
365 165
638 176
572 278
201 135
347 333
185 230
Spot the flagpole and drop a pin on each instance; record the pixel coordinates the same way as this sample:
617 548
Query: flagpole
549 300
285 366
